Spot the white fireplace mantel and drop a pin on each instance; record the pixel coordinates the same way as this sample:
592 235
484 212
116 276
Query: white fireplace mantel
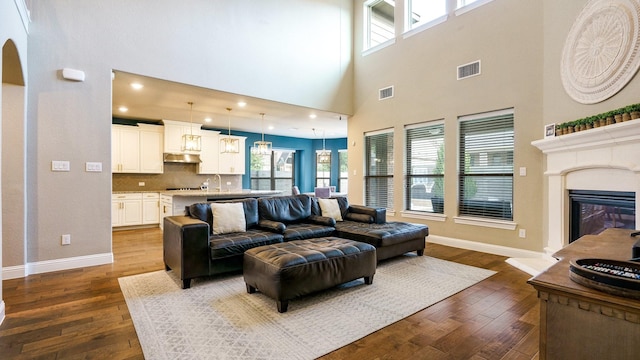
603 158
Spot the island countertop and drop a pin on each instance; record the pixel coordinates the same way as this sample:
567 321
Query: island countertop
215 194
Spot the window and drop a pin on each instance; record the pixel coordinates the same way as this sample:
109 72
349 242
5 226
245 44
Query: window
379 169
379 22
273 171
420 12
485 184
323 170
425 167
343 181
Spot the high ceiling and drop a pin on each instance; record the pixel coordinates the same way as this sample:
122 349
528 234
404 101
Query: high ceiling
161 99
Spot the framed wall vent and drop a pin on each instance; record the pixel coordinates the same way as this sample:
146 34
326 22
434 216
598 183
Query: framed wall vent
469 70
385 93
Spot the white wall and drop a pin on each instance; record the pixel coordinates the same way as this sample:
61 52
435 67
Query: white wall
290 51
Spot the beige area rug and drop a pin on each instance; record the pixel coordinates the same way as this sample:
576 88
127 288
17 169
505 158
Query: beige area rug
217 319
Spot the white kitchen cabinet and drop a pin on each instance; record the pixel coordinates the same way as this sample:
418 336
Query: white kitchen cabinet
232 164
126 209
166 208
151 148
150 208
125 149
173 131
209 153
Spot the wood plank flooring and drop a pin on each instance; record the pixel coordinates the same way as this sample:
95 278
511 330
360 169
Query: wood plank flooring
81 313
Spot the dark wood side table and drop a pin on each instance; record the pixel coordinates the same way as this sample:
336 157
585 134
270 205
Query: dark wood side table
577 322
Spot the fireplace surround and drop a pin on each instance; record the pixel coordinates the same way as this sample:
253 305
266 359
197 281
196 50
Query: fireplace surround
601 159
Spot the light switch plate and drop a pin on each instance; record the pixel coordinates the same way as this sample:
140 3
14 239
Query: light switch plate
93 166
59 165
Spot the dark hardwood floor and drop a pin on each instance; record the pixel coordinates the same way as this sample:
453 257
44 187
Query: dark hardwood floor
81 314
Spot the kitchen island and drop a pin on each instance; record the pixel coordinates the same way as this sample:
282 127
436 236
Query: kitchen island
173 202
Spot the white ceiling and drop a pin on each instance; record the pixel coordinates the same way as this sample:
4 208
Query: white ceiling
162 99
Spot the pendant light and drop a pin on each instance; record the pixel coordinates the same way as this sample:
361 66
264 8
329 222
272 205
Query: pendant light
191 142
324 157
229 145
262 147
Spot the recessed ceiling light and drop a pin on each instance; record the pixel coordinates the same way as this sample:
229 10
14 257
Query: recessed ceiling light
270 127
123 109
313 116
136 86
242 103
207 119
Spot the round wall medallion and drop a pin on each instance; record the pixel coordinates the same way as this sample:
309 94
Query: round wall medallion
600 55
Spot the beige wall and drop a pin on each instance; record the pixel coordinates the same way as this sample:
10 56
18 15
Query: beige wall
11 29
520 45
290 51
422 68
13 176
558 106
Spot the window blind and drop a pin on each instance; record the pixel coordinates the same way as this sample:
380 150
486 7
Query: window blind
486 166
379 169
425 167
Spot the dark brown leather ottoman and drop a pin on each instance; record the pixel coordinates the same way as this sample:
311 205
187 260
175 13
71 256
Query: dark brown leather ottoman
390 238
287 270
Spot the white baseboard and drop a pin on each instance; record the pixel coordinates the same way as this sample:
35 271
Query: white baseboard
14 272
482 247
2 313
69 263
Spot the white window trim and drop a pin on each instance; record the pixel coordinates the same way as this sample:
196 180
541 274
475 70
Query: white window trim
415 213
367 31
422 27
483 115
423 215
378 47
472 6
491 223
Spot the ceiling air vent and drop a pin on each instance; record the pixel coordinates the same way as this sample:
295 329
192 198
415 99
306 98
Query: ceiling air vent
385 93
469 70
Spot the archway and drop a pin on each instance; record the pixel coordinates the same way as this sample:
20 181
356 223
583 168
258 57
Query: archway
13 155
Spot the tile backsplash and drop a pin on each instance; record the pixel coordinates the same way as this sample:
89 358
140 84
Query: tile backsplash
176 175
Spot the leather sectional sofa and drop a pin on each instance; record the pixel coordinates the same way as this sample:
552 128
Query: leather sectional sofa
192 248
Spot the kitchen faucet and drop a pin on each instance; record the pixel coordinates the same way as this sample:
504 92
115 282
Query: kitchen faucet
219 188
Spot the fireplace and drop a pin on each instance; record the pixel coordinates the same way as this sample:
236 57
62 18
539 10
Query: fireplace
591 212
604 160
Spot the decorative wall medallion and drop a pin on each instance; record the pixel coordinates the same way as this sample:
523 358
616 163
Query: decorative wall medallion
600 55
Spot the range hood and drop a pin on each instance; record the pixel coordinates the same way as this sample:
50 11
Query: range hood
182 158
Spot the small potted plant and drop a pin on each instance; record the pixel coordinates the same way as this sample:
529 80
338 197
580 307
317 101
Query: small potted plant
634 111
617 115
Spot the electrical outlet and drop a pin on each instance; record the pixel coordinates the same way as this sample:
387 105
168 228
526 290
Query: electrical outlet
522 233
66 239
141 183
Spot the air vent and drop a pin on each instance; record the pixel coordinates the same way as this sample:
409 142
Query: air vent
385 93
469 70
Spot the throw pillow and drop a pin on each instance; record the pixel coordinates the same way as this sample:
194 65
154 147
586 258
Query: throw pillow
228 218
330 208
